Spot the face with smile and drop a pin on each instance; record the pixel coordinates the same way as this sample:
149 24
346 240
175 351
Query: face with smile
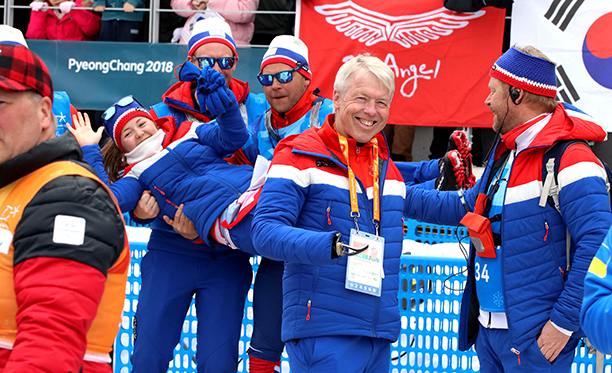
216 50
135 131
284 96
500 105
362 111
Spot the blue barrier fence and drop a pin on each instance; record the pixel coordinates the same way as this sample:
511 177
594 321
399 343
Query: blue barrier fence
429 298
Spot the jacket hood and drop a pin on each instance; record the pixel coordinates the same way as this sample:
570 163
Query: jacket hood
567 123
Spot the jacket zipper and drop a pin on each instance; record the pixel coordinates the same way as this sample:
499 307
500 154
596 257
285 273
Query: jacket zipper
517 353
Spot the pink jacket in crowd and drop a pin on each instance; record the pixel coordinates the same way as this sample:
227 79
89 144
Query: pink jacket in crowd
242 24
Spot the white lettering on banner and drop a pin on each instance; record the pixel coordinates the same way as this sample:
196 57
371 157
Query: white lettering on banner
412 74
116 65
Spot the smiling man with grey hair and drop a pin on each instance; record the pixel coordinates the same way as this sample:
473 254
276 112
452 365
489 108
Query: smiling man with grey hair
331 193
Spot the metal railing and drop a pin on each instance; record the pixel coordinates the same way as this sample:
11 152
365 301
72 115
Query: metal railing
153 10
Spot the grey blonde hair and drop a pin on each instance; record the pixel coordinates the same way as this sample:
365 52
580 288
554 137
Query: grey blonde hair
364 62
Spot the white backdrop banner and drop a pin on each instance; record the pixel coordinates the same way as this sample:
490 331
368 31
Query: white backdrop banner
577 35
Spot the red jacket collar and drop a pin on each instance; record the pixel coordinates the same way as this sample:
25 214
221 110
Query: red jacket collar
328 134
182 92
563 125
300 109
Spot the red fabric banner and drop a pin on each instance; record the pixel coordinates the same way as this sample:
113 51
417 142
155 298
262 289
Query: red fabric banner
441 59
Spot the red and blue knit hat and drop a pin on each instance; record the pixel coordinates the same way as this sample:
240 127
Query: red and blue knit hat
22 70
522 70
289 50
116 117
211 30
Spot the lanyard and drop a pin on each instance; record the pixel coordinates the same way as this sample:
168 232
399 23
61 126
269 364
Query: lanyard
353 182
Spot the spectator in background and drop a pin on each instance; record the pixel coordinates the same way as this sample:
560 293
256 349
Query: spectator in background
475 5
119 25
241 24
268 26
63 23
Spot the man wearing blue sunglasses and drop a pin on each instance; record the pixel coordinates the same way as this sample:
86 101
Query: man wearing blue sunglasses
294 107
211 45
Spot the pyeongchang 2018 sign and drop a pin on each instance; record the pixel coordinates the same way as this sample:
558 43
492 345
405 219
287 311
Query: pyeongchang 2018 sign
441 59
577 36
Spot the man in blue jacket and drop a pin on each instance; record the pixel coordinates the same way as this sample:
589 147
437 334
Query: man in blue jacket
521 305
596 315
327 188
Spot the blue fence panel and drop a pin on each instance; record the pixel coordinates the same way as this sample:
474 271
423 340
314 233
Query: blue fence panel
429 299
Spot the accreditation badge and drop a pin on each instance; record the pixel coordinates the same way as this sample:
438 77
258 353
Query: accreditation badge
364 271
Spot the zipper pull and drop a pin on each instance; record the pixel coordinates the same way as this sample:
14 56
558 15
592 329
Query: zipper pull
546 225
518 354
328 219
308 315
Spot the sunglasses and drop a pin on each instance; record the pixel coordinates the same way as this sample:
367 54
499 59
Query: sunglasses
224 62
281 76
110 112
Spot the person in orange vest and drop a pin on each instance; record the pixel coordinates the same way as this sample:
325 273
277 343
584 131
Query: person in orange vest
64 251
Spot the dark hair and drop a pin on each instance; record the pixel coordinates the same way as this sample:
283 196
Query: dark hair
113 160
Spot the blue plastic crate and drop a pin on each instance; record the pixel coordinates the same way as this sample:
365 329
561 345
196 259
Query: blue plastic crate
432 233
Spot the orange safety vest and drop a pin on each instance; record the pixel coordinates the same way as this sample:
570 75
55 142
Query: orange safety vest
105 326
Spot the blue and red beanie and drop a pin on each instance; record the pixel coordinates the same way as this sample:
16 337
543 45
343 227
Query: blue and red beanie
116 117
522 70
211 30
289 50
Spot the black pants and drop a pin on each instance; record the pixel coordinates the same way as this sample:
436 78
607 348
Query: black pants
117 30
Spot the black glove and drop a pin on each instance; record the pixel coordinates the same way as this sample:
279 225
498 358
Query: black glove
475 5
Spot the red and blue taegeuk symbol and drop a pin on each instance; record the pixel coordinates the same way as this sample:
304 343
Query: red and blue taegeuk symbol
597 50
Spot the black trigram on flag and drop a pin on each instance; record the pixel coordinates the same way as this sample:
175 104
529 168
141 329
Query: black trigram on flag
565 89
561 12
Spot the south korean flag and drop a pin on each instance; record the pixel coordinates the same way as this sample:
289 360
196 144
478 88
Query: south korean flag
577 36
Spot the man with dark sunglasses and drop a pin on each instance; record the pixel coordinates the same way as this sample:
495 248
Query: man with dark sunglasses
219 293
211 44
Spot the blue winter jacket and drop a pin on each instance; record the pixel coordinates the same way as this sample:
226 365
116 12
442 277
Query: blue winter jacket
596 315
188 171
304 202
536 285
